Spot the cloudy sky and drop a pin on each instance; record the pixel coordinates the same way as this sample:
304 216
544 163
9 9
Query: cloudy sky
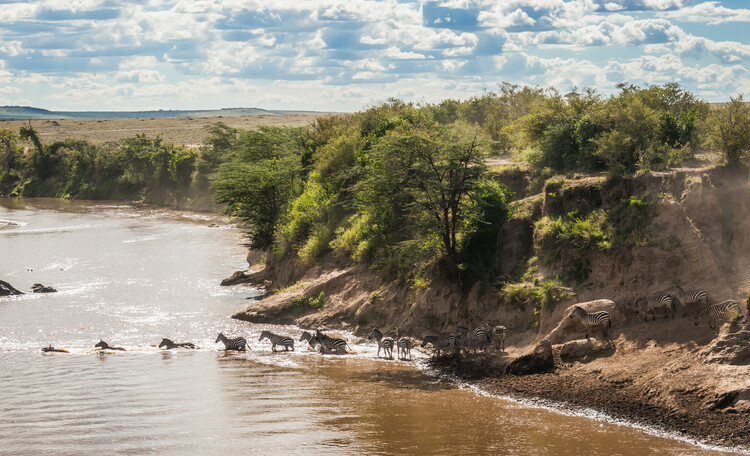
343 55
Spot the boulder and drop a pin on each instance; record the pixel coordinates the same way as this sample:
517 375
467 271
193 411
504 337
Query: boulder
581 348
237 278
39 288
7 289
539 360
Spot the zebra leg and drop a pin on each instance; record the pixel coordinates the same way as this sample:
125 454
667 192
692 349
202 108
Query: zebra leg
712 323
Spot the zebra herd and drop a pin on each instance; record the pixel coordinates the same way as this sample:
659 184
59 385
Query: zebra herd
687 300
479 339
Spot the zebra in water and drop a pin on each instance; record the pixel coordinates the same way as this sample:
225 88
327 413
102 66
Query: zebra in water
650 303
439 343
592 319
169 345
54 350
498 333
726 308
330 343
286 342
105 346
403 345
385 343
689 297
237 343
312 341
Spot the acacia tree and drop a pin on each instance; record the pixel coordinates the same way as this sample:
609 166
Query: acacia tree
730 125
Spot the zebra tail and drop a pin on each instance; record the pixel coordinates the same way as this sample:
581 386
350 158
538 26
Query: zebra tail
609 322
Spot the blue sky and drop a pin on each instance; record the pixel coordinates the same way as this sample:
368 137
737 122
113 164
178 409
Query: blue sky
343 55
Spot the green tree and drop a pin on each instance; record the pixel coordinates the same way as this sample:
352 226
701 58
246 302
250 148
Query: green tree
730 130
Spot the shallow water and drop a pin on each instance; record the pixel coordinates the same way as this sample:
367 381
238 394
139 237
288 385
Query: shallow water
131 276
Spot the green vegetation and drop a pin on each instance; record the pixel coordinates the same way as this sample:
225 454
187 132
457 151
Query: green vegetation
303 303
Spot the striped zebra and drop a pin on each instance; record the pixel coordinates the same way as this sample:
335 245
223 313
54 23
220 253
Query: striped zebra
480 338
330 343
439 343
650 303
311 340
238 343
286 342
385 343
592 319
169 345
723 309
498 334
105 346
403 345
689 297
464 338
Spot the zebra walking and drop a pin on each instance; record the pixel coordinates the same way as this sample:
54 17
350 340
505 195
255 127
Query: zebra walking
686 298
498 333
403 345
169 345
650 303
330 343
439 343
592 319
311 340
286 342
723 309
237 343
385 343
480 338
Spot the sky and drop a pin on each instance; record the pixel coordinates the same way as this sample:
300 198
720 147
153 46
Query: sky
346 55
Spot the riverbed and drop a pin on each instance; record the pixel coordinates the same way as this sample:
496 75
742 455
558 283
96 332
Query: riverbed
133 275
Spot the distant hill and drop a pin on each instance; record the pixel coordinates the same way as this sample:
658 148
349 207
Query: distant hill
31 113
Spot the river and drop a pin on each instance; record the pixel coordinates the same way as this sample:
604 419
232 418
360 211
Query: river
133 275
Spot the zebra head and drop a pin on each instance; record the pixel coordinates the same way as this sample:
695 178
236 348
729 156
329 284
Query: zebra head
375 334
428 340
220 338
166 343
263 335
640 302
305 336
101 344
577 312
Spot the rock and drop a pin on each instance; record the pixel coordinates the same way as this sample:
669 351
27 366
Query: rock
39 288
730 347
7 289
235 279
537 361
581 348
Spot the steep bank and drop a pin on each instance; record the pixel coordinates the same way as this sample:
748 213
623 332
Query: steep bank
687 228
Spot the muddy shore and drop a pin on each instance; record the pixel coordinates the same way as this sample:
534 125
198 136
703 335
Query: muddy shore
580 386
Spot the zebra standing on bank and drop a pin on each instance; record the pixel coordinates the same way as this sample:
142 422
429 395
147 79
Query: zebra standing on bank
480 338
330 343
286 342
498 333
169 345
650 303
464 338
386 343
439 343
237 343
592 319
723 309
689 297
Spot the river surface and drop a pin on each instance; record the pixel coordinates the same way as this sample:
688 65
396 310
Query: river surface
133 275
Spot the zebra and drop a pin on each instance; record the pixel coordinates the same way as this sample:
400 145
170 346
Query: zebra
385 343
286 342
650 303
238 343
722 309
312 341
168 344
439 343
480 338
403 345
686 298
463 338
330 343
54 349
105 346
592 319
498 333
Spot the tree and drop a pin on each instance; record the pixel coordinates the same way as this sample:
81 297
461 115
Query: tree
8 148
730 130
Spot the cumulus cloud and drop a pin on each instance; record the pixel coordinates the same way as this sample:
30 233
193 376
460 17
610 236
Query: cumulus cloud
336 54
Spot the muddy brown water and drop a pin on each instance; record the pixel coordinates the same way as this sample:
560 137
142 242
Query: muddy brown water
133 275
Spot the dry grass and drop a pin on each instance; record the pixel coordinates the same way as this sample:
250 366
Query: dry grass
189 131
